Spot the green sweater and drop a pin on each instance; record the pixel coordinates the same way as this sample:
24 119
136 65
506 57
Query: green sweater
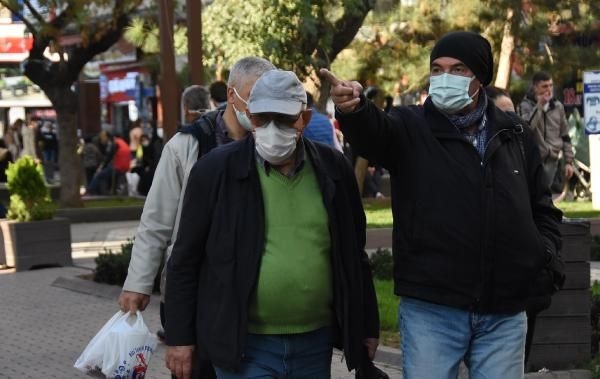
294 293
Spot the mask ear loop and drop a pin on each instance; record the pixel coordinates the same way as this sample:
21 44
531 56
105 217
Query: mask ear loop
239 97
476 92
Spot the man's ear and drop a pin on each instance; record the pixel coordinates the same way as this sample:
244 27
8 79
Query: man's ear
230 95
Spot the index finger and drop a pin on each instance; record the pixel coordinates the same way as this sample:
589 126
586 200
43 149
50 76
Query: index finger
330 77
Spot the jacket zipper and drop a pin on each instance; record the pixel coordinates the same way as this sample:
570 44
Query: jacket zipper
485 217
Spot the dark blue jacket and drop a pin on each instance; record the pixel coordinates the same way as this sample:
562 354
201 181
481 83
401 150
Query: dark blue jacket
469 233
213 268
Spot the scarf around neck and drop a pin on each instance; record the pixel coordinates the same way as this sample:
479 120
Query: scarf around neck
473 117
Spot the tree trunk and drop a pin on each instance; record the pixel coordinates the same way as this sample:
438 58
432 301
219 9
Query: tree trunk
507 47
69 162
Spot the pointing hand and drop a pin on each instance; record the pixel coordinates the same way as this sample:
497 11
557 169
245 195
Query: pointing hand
344 94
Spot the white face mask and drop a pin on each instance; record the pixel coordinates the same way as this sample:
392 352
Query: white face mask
241 116
275 144
450 93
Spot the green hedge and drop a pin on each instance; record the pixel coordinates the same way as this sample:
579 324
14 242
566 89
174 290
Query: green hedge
111 268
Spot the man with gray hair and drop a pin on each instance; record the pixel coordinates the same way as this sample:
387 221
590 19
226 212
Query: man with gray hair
195 101
269 271
156 233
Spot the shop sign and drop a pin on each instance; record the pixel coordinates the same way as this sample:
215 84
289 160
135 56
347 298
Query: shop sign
591 101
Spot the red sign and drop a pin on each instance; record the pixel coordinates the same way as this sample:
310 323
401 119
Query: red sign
15 44
118 85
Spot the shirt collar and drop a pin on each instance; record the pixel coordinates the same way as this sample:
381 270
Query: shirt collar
222 133
300 158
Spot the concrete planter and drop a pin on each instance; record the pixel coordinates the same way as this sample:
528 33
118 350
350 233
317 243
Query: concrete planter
27 245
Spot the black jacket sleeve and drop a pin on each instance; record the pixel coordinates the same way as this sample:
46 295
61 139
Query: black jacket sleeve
546 216
375 135
368 290
184 264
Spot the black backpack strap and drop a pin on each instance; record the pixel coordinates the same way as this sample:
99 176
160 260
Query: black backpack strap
204 130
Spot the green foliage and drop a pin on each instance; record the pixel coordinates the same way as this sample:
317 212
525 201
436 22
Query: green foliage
114 201
396 39
29 193
295 35
578 209
378 212
594 367
387 304
595 319
111 268
382 264
144 33
282 31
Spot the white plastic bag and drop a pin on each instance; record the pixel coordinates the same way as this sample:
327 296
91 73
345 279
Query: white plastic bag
121 349
128 348
90 361
132 182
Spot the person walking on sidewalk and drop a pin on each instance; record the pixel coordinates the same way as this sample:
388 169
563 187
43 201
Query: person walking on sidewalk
160 217
547 115
269 271
474 224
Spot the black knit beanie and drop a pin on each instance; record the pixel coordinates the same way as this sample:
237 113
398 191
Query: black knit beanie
471 49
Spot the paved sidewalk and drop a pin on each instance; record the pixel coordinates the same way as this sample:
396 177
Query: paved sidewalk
48 316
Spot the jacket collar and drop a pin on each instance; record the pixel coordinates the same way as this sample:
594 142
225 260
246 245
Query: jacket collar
245 159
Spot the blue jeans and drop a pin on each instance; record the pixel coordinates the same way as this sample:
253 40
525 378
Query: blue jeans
436 338
285 356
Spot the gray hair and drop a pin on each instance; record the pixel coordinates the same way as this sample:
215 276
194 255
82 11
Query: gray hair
248 69
195 98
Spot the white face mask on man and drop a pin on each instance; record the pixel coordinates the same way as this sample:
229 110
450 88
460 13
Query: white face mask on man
241 116
450 93
275 143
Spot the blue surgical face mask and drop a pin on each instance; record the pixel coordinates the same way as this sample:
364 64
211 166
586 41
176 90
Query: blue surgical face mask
241 116
450 93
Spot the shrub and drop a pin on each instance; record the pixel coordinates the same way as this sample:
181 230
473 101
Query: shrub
111 268
382 264
29 194
595 317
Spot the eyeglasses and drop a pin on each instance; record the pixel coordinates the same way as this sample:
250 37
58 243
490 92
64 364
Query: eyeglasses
198 111
260 119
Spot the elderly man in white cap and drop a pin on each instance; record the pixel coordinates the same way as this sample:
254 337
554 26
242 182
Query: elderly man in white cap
268 272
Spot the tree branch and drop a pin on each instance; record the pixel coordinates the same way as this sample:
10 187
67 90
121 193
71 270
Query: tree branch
81 55
34 12
346 27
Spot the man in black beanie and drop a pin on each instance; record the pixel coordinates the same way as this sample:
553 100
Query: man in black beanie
473 222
